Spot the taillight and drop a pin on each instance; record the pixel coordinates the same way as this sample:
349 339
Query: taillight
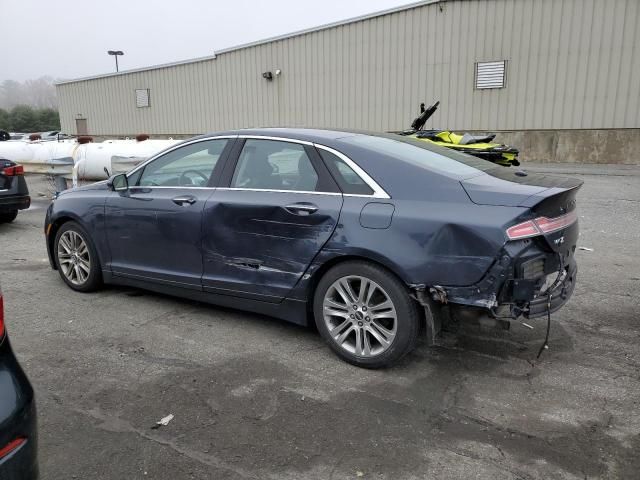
523 230
13 171
541 226
12 446
1 317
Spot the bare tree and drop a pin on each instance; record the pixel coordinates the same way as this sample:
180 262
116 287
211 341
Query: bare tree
39 93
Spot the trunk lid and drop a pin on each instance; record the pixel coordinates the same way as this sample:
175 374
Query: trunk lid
548 196
556 203
508 187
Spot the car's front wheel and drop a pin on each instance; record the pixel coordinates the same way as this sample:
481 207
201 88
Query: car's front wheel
76 258
366 314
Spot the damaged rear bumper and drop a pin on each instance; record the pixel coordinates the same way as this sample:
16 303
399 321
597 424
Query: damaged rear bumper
517 284
559 295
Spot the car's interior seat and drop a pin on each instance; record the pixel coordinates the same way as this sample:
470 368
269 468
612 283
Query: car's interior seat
259 173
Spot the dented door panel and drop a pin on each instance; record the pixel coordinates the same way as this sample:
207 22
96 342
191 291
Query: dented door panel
257 244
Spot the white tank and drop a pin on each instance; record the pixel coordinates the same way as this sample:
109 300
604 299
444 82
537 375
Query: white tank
88 161
92 159
126 158
16 151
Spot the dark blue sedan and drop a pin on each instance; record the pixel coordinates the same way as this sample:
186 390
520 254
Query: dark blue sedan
369 235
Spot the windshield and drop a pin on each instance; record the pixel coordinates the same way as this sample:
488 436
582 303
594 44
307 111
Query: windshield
423 154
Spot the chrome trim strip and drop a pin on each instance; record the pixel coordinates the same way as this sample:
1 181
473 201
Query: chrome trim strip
378 191
175 147
270 190
358 195
280 139
153 187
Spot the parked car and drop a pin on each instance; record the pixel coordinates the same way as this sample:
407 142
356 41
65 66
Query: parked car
18 136
14 193
18 440
52 135
366 234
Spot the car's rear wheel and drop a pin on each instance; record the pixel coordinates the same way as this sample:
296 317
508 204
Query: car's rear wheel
76 258
8 216
366 314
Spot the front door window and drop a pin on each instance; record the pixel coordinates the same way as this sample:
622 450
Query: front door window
188 166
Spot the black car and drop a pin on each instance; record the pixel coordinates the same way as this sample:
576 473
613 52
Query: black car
18 442
14 194
367 234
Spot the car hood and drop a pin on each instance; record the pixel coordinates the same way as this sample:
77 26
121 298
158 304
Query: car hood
103 185
510 188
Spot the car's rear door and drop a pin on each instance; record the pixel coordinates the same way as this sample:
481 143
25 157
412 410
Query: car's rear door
276 207
154 229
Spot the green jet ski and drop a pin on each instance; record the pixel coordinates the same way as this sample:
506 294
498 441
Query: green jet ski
481 146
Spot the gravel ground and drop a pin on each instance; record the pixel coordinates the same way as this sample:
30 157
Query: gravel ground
257 398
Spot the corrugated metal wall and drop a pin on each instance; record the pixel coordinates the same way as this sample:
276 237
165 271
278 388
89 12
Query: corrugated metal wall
572 64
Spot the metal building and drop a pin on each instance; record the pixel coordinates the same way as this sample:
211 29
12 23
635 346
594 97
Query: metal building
562 75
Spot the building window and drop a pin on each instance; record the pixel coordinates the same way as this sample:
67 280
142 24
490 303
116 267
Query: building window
491 74
142 97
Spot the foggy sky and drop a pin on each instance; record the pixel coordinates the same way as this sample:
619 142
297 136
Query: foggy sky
69 38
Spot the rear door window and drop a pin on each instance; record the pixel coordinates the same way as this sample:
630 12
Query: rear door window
274 165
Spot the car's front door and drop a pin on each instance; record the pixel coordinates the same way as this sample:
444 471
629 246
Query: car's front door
264 226
154 229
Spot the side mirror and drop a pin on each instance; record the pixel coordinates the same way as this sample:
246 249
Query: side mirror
119 183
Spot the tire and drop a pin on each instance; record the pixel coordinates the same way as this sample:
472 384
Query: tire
379 343
78 267
8 217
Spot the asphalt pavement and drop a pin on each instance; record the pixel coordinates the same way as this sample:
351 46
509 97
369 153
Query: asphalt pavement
257 398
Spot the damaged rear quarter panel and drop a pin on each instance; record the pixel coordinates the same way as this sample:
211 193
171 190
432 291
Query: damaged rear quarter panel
432 243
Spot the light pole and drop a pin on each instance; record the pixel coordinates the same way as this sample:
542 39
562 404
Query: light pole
116 53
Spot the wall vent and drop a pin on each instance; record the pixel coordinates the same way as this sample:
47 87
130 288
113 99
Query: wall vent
142 97
491 74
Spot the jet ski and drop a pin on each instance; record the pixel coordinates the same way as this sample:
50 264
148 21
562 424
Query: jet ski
481 146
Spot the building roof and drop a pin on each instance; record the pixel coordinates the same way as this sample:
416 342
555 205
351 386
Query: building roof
259 42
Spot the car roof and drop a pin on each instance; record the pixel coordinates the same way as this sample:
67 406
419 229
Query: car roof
314 135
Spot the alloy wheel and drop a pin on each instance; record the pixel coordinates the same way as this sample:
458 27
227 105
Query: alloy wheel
360 316
73 257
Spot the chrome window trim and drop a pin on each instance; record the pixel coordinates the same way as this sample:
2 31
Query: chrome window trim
378 191
272 190
165 187
277 139
175 147
360 195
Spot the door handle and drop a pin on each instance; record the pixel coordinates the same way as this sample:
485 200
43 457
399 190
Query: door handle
188 199
301 208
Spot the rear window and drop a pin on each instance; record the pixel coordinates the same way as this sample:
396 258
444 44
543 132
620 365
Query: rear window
348 180
422 154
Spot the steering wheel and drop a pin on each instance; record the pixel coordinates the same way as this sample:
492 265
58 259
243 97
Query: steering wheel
183 177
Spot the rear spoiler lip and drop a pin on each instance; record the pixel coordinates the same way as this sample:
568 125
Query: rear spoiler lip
536 198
